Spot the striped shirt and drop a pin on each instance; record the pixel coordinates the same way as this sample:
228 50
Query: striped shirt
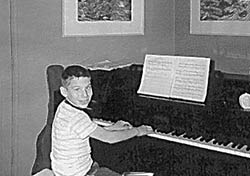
70 151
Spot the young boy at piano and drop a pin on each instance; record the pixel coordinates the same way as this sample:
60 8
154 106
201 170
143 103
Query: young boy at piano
72 127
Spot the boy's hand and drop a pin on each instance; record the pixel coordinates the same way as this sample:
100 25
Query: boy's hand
144 130
119 125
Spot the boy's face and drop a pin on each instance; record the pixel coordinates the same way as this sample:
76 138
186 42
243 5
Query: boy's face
79 91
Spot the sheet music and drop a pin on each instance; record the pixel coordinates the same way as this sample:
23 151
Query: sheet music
176 77
157 76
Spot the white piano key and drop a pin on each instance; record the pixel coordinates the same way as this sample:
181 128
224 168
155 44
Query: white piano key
172 133
198 139
211 141
236 147
229 145
244 148
195 138
182 135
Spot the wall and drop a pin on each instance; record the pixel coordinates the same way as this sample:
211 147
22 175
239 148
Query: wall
38 42
231 53
5 91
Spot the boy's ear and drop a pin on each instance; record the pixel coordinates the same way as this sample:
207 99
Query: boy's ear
63 91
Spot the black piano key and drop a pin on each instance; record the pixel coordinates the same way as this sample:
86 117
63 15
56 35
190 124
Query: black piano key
208 139
226 143
192 135
187 136
215 141
223 142
234 145
173 133
166 132
202 139
240 146
219 142
196 137
178 133
163 131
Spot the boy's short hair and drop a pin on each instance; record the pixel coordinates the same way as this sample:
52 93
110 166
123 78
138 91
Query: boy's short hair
73 71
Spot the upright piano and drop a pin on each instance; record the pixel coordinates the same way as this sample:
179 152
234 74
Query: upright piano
190 139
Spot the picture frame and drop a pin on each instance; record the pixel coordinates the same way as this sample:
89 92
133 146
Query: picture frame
216 27
71 26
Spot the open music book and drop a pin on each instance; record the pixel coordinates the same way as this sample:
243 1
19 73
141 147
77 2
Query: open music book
175 77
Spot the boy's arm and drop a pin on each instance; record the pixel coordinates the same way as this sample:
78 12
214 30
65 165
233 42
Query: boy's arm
119 125
108 136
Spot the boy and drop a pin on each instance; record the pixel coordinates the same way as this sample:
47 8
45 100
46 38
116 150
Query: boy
72 127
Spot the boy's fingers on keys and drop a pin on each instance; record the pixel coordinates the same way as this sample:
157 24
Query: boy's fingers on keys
121 122
149 128
125 123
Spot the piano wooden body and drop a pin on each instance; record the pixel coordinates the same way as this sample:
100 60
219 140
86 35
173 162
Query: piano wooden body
191 139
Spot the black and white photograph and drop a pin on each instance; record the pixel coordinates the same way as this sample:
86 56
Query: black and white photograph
125 88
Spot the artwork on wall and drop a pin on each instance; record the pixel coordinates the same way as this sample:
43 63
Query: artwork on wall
102 17
220 17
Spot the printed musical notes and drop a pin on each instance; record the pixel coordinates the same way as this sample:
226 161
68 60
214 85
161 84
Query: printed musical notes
175 77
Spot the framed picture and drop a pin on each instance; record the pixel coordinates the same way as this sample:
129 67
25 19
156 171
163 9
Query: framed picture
102 17
220 17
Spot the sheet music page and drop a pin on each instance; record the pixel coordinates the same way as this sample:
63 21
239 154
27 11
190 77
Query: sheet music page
191 78
157 76
176 77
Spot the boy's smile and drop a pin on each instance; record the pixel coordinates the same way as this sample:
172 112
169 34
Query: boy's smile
79 92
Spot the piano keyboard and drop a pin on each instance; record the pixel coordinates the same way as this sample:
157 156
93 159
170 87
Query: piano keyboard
210 145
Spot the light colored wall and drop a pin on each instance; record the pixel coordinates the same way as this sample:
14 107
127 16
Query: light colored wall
5 91
38 41
231 53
